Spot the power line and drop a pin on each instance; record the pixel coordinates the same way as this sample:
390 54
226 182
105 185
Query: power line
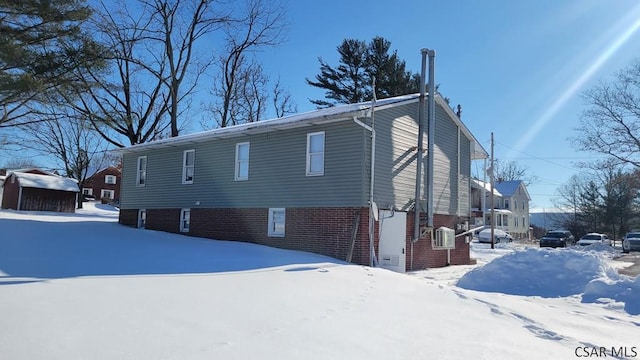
538 158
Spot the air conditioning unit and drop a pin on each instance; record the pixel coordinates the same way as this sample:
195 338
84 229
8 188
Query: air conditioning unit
445 239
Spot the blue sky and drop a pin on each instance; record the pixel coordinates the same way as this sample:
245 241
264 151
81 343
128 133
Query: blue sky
516 67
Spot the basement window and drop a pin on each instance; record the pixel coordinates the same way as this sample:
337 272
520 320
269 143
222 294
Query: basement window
276 222
142 218
185 220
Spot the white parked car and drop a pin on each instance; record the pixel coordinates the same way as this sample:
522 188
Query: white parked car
593 238
631 242
484 236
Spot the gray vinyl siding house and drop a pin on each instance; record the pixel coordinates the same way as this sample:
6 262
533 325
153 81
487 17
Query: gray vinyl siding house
269 198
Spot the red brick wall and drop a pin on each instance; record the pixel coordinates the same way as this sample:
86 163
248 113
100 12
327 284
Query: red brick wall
128 217
163 219
97 183
424 256
325 231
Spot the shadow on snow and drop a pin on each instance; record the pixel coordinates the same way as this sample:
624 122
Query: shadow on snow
39 249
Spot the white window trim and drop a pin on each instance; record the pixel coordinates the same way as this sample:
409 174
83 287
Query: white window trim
110 177
185 167
142 218
271 230
87 191
183 218
239 162
141 174
111 192
309 154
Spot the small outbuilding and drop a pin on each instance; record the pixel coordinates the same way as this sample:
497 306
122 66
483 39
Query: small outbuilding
39 192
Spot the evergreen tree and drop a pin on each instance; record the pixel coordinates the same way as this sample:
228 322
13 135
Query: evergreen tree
389 72
345 84
361 63
41 42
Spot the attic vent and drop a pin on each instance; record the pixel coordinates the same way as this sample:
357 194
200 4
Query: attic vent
445 239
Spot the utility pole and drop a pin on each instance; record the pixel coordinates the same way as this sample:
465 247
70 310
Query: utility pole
491 180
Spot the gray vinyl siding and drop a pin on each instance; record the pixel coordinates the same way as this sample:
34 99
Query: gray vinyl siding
465 176
396 139
277 172
396 130
445 176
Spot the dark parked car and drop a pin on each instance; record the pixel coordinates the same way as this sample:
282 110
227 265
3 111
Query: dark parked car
557 238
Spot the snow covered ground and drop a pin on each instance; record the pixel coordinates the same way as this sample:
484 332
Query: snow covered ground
81 286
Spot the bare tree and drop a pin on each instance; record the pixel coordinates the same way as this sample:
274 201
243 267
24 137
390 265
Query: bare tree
511 170
181 24
569 201
611 124
69 139
282 101
262 26
127 102
20 163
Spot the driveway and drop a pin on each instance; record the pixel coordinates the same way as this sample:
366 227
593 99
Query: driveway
633 257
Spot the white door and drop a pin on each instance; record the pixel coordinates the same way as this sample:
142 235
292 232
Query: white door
393 233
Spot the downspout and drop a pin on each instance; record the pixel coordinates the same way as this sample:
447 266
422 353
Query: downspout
373 261
458 212
416 206
431 136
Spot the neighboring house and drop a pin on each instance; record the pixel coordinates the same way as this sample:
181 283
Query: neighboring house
480 189
515 198
303 182
38 190
104 184
511 208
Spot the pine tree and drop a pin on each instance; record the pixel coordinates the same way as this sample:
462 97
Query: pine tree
345 84
41 43
360 63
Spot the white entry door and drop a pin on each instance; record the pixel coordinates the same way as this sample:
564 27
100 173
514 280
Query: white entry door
393 233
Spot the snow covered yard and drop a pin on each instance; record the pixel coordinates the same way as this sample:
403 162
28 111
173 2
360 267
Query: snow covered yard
80 286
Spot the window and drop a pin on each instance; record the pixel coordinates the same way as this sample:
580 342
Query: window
515 219
315 154
141 176
109 179
185 220
524 223
506 203
142 218
276 222
106 194
87 191
515 204
242 161
188 164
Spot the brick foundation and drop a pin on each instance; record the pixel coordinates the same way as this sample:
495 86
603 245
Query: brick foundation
326 231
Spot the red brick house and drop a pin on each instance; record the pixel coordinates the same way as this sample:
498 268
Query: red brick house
104 184
36 190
